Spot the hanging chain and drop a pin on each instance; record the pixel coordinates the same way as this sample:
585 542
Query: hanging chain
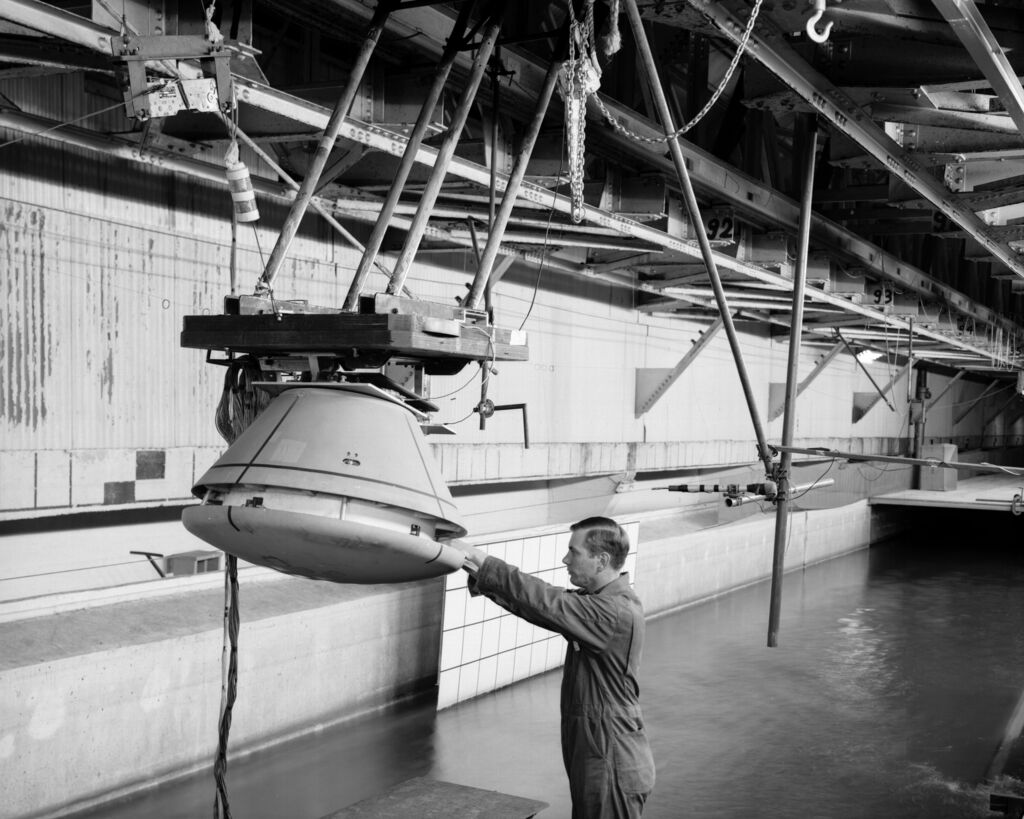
622 129
579 77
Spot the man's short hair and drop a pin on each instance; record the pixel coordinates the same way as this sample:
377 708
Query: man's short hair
604 535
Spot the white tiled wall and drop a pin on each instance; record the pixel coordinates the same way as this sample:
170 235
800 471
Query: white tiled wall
483 647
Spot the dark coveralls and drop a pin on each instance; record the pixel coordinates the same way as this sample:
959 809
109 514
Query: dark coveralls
604 747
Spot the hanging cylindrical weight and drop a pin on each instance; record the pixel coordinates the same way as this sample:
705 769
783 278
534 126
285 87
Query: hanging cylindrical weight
240 185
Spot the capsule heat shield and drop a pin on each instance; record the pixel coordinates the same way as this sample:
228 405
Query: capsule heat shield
333 482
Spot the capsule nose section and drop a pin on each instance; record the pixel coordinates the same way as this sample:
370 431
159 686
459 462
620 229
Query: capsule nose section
331 482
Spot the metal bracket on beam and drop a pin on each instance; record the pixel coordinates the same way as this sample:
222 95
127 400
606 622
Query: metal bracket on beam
777 389
144 100
653 382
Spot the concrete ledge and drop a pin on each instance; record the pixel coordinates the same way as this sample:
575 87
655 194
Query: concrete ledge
143 709
685 567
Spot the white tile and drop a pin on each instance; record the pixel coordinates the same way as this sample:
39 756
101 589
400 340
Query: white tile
475 608
454 609
506 669
448 688
531 555
467 681
539 658
489 641
471 643
556 652
455 580
488 675
522 663
497 549
549 554
451 649
508 626
524 633
514 553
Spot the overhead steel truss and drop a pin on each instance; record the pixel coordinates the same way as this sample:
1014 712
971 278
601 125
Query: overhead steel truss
764 203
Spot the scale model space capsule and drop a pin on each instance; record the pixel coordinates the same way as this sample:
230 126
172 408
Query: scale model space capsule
332 482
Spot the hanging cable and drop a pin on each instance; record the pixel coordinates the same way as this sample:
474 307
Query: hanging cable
240 401
229 686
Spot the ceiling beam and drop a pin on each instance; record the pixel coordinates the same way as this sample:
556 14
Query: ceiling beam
768 46
965 19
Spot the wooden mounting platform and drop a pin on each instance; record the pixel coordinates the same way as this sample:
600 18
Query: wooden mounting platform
352 336
430 799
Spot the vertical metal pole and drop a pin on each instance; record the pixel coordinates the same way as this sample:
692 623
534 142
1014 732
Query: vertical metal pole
323 151
446 151
665 114
789 415
419 130
508 200
919 424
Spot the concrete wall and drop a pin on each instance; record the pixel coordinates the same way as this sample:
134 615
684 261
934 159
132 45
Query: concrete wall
78 730
132 711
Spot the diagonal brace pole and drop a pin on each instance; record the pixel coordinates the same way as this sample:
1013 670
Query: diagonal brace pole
665 115
447 149
508 199
789 413
376 239
323 151
863 369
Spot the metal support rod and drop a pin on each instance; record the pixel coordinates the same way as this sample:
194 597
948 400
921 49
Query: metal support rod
405 166
864 370
667 123
824 452
792 368
920 422
323 151
910 356
508 199
447 150
921 388
947 388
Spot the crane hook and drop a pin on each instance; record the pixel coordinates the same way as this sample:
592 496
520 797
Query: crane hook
813 20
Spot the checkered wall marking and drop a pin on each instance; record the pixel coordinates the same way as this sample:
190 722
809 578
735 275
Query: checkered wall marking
483 647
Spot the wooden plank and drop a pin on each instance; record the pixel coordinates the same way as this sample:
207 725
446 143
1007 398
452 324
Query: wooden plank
431 799
341 333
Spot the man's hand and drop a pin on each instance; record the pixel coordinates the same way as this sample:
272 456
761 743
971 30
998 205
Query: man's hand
474 557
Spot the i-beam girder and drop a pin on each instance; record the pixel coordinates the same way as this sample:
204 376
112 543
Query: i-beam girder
725 184
87 33
771 50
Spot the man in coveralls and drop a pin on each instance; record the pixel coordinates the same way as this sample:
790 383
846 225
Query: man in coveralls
604 747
